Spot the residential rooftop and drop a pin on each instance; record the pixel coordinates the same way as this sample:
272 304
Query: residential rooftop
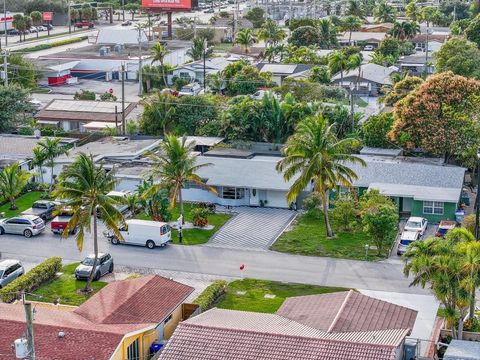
372 72
20 147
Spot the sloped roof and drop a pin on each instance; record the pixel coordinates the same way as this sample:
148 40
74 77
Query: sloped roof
146 299
371 72
347 311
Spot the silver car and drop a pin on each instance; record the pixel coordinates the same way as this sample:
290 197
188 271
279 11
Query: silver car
104 266
9 271
26 225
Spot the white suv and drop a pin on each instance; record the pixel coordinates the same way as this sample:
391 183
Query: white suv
190 90
9 271
26 225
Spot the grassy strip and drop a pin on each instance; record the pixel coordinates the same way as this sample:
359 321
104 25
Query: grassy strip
51 45
24 202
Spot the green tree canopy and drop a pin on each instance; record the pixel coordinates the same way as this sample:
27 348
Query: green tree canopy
257 16
14 102
375 130
473 30
305 36
460 56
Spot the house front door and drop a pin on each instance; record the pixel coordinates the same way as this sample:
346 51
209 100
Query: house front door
406 205
254 197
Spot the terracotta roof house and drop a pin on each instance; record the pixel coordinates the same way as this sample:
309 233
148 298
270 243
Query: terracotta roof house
339 326
121 320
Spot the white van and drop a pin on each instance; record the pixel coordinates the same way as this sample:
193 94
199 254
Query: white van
143 232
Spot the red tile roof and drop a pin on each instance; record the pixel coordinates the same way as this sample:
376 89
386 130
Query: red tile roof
347 311
148 299
197 342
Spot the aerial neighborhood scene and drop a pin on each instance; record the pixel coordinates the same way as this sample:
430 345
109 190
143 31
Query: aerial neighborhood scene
240 179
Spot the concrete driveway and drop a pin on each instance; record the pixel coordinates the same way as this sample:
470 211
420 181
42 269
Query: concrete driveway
430 232
252 228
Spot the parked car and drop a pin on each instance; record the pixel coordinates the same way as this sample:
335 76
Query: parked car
42 208
36 104
26 225
142 232
59 223
33 29
209 11
42 28
13 32
368 48
417 224
192 89
169 91
260 94
126 23
444 227
9 271
104 266
120 196
82 24
48 26
406 239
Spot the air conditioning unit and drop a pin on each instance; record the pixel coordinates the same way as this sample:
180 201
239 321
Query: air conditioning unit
21 348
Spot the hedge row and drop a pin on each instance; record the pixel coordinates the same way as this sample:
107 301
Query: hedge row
210 295
52 44
31 280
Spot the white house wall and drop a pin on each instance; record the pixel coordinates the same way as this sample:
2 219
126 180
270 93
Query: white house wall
276 199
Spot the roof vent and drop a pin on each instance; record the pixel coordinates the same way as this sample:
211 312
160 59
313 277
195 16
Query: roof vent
61 334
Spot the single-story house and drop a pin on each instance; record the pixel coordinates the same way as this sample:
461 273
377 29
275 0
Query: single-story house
366 80
416 64
420 186
254 52
194 71
435 41
281 71
341 326
361 38
378 28
84 115
120 322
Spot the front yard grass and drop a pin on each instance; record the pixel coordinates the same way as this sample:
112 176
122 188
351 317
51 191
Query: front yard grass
194 236
255 290
24 202
308 237
65 288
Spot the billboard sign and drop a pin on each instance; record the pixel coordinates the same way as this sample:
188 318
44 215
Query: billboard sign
47 16
178 5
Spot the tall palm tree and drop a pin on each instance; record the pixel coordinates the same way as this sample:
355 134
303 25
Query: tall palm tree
404 30
12 182
198 48
271 33
173 167
384 13
328 33
39 160
355 8
246 38
52 149
351 23
85 186
339 62
314 155
36 17
159 109
159 52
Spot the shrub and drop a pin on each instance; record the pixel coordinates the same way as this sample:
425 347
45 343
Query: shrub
469 223
85 95
210 295
312 203
345 213
200 215
52 44
40 274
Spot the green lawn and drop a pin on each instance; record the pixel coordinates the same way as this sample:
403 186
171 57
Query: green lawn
66 288
254 298
308 237
222 47
23 203
194 236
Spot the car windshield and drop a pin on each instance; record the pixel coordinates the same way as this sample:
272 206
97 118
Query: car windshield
405 242
37 221
413 224
88 261
39 205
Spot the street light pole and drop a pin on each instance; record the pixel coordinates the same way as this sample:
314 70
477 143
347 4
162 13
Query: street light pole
477 200
69 18
205 44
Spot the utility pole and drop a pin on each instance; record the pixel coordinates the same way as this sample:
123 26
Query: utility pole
140 85
123 99
69 15
29 320
205 44
426 52
123 10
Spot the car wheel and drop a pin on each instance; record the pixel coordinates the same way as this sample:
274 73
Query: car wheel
2 231
97 276
150 244
110 269
27 233
114 241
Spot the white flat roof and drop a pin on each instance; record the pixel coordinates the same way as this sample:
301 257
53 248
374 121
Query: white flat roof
107 107
421 193
100 125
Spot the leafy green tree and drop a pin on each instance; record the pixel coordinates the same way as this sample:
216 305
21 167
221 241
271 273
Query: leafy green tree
296 23
243 78
192 112
257 16
389 47
197 51
458 27
320 74
303 55
12 182
384 13
37 19
375 130
216 82
51 148
19 24
344 213
460 56
85 185
380 59
246 38
14 103
159 52
158 114
173 167
380 223
429 14
473 30
351 23
132 8
271 33
156 204
22 71
307 91
401 89
305 36
314 155
411 11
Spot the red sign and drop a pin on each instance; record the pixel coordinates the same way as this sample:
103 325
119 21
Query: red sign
47 16
242 267
167 4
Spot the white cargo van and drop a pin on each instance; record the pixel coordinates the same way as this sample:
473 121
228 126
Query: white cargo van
143 232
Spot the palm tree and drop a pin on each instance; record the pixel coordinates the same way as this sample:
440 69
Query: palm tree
52 149
384 13
173 167
197 50
74 15
159 109
328 33
12 182
405 30
39 160
246 38
216 82
159 52
339 62
36 17
351 23
85 186
314 155
271 33
18 23
355 8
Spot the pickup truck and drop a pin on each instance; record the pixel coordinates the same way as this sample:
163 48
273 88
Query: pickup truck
41 208
82 24
59 223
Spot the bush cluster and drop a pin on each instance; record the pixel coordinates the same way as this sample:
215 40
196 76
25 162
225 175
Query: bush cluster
52 44
210 295
40 274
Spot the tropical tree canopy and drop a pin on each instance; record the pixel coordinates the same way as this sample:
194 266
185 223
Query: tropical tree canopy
12 182
384 13
459 56
246 38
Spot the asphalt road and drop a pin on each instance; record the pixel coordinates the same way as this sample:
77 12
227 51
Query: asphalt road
385 276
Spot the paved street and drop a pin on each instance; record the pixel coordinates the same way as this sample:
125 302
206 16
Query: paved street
385 276
252 228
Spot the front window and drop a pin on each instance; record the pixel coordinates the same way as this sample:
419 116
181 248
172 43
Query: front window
433 207
232 193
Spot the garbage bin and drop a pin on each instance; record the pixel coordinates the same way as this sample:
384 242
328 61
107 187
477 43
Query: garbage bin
459 215
155 347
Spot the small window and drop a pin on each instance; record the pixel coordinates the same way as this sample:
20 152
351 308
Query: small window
133 351
228 193
433 207
168 319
